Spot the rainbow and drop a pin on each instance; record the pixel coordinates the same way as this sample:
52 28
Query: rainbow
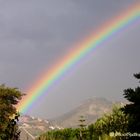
82 49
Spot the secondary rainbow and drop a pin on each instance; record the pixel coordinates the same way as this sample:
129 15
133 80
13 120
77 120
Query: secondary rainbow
41 87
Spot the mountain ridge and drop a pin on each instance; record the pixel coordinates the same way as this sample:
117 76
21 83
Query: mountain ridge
91 109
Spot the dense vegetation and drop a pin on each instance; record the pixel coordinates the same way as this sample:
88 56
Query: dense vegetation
133 109
120 124
9 97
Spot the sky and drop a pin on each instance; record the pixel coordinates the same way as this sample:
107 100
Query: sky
35 34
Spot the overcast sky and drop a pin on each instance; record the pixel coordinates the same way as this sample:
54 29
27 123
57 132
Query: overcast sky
34 34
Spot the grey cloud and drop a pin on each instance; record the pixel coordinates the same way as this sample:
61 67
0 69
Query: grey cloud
34 34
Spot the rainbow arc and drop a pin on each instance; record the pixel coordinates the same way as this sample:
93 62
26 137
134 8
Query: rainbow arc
41 87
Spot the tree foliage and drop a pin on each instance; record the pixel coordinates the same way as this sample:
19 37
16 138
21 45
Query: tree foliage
9 97
116 121
133 108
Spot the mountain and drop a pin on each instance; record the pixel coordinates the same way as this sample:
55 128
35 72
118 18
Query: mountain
91 109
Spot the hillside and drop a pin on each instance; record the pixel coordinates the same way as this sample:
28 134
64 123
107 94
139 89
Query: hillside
91 109
32 127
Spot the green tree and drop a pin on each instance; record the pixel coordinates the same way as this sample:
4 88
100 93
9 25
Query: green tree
133 108
116 121
83 130
9 97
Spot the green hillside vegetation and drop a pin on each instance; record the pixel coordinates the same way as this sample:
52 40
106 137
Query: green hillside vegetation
116 121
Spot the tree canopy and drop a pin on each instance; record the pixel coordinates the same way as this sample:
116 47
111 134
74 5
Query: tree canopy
9 97
133 108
